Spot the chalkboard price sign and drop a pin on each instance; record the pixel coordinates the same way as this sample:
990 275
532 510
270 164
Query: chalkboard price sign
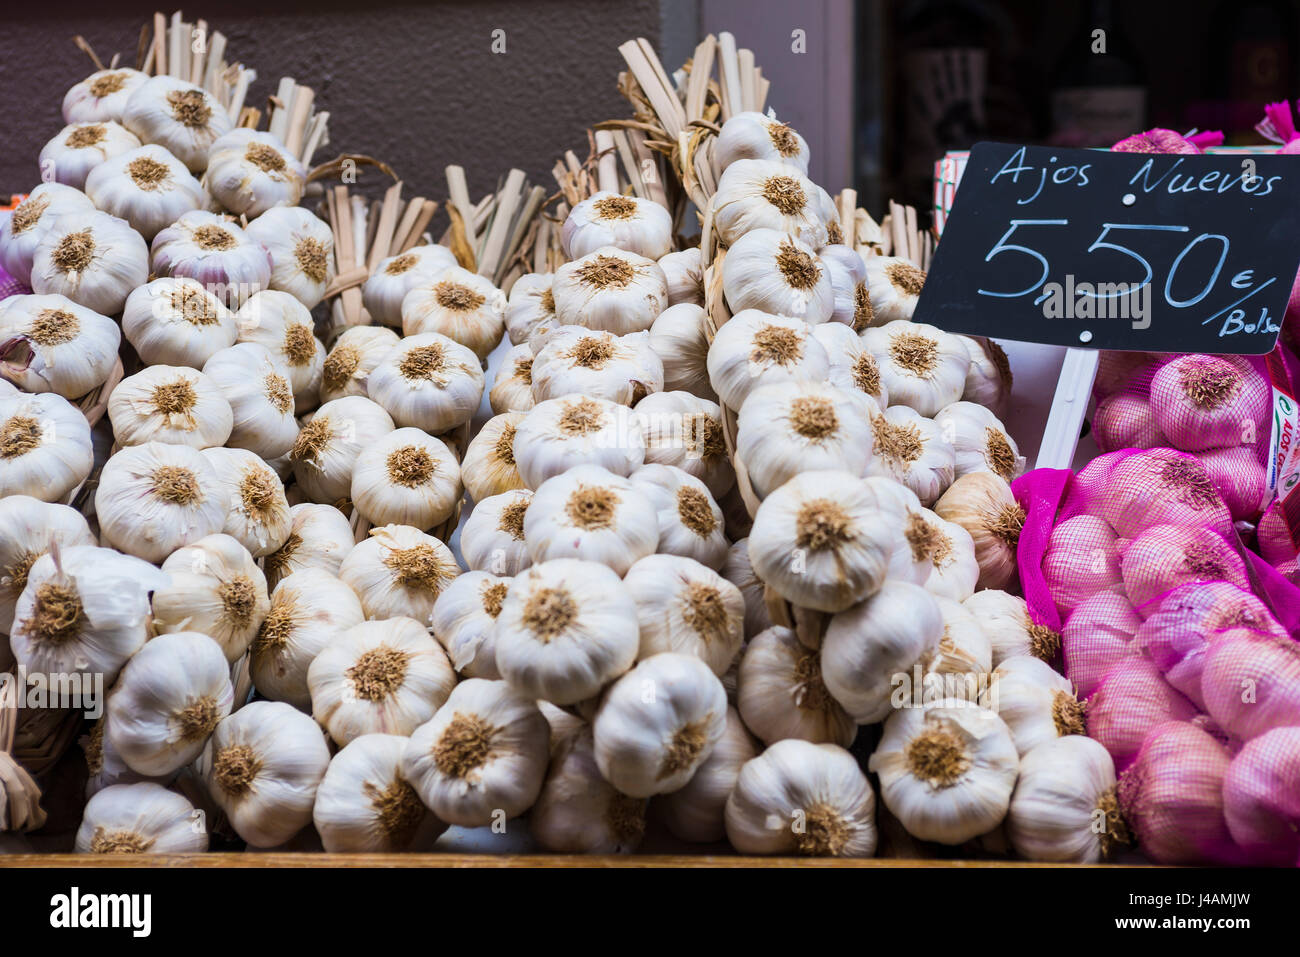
1105 250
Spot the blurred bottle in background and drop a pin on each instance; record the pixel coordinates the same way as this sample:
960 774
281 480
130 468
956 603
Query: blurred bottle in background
1099 93
1250 62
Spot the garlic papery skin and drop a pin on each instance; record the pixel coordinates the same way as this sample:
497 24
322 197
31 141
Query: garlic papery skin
31 219
680 339
429 382
557 434
319 537
397 275
781 693
983 505
690 521
578 812
738 571
28 529
989 379
981 442
464 621
696 812
821 541
802 798
1251 682
922 366
154 498
51 344
941 551
353 357
167 701
685 431
307 610
758 136
215 589
947 770
1240 478
893 287
171 404
531 304
589 513
1159 487
282 324
684 273
364 805
103 764
489 467
755 348
1260 793
378 677
658 723
622 369
205 246
1082 559
1036 702
1166 556
868 647
45 448
461 305
259 511
794 427
399 571
566 629
101 96
774 272
92 258
1064 808
1203 402
512 389
604 219
146 186
684 607
257 387
852 367
1098 634
482 755
406 478
910 449
302 252
764 194
81 147
262 767
84 611
610 290
183 117
177 322
143 818
848 274
492 539
1005 621
250 172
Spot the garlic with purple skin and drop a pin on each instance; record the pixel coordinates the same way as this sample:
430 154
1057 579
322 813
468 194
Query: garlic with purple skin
1238 475
1159 487
1082 559
1261 797
249 172
1203 402
1097 635
215 251
1166 556
80 148
1133 698
630 223
1251 682
51 344
31 220
1124 421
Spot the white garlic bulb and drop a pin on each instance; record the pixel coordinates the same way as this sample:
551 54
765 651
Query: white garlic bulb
781 693
302 252
172 404
45 448
979 440
183 117
489 467
262 767
512 389
225 259
215 589
22 230
803 798
397 275
319 537
177 322
259 510
610 290
364 805
56 345
679 338
307 610
685 431
697 811
146 186
848 272
464 622
83 611
754 135
738 571
982 503
354 356
93 258
250 172
770 194
578 811
459 304
558 434
852 367
684 607
936 553
922 366
28 529
101 96
893 286
483 755
792 427
1011 632
81 147
1064 807
988 383
658 723
531 306
946 770
492 538
963 656
911 450
282 324
154 498
622 369
429 382
406 478
690 521
822 541
684 272
777 273
755 348
640 226
399 571
141 818
590 513
566 629
1036 702
167 701
257 387
378 677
